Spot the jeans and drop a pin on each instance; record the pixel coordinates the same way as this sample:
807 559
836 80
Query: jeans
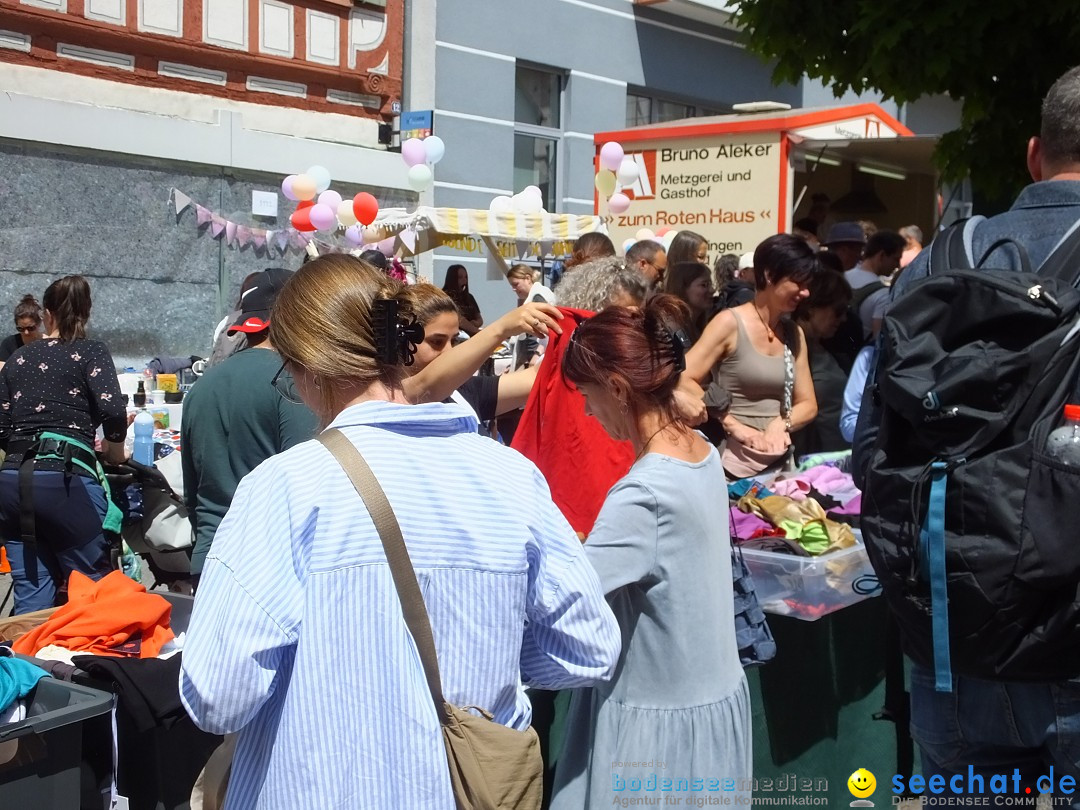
984 728
68 510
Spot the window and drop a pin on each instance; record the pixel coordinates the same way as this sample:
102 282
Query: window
535 161
644 109
537 132
537 98
638 110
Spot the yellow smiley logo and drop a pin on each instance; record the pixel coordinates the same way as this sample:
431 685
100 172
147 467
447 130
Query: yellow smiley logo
861 783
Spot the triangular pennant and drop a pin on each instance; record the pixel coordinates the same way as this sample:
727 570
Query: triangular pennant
243 235
217 225
281 238
230 232
180 201
522 249
202 215
408 239
259 237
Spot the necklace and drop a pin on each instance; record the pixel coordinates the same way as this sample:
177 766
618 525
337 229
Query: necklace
648 441
768 329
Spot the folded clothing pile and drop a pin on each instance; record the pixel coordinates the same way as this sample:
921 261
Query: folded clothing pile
114 616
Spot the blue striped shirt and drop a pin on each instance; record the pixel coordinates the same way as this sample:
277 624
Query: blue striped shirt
297 638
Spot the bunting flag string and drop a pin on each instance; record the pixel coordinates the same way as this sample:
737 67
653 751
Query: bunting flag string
240 236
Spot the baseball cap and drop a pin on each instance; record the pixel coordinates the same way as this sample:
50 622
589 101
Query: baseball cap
846 232
746 261
258 299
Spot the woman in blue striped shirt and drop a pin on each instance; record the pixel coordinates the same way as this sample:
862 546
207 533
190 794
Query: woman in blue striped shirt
297 639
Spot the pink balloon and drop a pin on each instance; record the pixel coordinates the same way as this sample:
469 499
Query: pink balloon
323 217
355 235
286 187
331 198
611 156
386 247
618 203
413 152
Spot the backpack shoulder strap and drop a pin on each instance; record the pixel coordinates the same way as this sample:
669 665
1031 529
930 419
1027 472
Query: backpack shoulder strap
1063 263
953 247
861 294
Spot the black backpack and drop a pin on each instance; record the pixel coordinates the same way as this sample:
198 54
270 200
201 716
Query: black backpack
966 521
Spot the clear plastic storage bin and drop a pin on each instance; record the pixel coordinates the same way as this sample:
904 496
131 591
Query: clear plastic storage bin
811 587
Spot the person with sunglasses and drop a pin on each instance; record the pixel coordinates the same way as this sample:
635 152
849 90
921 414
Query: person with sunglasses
27 328
235 417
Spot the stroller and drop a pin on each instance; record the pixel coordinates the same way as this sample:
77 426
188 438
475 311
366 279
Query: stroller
156 525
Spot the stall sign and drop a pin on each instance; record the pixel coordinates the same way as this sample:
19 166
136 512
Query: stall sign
725 187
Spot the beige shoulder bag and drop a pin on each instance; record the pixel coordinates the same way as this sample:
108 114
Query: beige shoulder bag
492 767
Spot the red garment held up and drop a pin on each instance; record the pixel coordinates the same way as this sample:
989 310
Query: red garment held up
576 455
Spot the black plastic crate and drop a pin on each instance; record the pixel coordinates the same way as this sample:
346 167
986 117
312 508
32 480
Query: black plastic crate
42 761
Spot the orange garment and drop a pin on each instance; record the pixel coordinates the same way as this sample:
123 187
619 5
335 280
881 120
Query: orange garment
575 454
102 615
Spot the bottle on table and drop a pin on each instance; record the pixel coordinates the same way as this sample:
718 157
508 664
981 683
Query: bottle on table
138 399
143 449
1063 444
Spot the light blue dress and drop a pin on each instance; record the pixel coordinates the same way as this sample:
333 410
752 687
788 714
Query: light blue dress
678 707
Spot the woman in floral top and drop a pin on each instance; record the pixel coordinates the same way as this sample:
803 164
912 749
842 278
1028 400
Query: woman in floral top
54 394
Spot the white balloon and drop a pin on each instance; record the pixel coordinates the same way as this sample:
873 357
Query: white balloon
531 204
331 198
517 203
501 205
644 234
321 177
434 149
628 172
420 177
533 191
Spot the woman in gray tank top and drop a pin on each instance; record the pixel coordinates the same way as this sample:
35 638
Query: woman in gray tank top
757 356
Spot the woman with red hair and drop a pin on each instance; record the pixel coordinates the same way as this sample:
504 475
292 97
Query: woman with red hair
662 550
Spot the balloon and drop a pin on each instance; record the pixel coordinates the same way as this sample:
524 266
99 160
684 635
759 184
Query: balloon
371 236
300 206
531 204
627 172
629 243
413 152
345 213
366 207
660 233
331 198
323 217
667 239
301 219
644 234
420 177
304 187
533 191
605 182
321 177
354 234
618 203
287 189
386 247
434 149
611 156
501 205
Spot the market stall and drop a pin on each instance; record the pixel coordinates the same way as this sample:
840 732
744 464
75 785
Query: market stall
822 707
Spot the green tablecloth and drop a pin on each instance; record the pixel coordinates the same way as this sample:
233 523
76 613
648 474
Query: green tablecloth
813 706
